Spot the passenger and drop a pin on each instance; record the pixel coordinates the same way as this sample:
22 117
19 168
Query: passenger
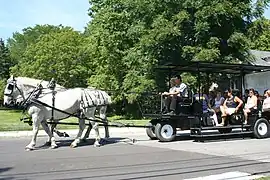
245 97
206 107
179 91
251 104
167 95
212 97
219 100
231 105
266 102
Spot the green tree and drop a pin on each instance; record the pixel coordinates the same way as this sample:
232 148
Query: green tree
259 34
30 35
128 38
6 62
56 55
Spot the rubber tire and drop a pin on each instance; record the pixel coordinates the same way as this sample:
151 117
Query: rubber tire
225 130
158 132
256 126
151 131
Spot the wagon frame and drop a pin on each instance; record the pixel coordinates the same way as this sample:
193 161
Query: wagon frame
164 127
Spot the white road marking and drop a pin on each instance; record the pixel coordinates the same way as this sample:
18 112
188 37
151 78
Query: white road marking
228 176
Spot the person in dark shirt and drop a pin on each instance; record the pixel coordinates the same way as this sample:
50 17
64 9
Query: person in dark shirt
231 105
206 107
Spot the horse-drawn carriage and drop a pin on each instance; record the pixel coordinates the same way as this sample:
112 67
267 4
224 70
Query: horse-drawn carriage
189 114
60 103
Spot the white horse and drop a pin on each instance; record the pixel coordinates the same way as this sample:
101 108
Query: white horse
77 101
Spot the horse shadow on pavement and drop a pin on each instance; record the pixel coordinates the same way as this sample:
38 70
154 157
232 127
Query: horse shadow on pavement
88 142
6 177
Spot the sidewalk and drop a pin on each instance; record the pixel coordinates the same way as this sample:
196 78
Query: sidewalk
73 132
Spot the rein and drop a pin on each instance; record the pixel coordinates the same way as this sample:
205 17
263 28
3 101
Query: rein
100 121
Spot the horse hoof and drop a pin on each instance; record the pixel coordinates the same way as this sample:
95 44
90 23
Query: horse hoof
29 148
97 145
73 146
54 147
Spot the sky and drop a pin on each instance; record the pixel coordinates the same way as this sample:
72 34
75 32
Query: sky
18 14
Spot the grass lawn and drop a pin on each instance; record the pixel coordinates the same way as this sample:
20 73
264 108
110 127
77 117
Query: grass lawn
264 178
10 121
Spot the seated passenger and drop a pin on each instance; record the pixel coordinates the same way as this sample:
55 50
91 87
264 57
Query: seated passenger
266 102
166 95
206 107
178 92
251 104
219 100
245 96
231 105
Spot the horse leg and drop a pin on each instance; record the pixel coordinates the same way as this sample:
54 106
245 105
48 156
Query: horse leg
51 139
81 128
36 123
97 136
90 113
87 133
102 115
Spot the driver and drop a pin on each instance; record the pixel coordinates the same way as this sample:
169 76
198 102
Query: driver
175 95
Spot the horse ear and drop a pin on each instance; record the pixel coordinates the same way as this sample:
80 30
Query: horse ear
12 77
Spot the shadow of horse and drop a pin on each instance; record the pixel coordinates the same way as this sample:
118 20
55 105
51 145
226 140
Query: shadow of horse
2 170
88 142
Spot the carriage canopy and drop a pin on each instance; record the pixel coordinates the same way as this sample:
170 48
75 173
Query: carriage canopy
211 67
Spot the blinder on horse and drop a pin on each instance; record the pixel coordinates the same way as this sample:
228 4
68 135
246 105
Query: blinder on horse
9 90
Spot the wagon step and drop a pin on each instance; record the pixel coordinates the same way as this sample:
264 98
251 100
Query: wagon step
218 135
221 127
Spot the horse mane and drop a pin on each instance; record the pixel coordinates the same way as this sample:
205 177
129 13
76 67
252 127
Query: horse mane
26 81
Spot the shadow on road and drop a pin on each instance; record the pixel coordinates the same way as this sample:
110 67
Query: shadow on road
87 142
2 170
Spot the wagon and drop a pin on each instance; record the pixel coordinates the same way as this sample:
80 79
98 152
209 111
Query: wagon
189 115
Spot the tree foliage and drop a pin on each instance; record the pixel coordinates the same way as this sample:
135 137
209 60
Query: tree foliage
6 62
259 34
30 35
56 55
127 38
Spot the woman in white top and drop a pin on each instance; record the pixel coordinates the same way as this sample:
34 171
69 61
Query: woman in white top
251 104
266 102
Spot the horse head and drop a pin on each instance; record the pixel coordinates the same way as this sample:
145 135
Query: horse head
15 91
11 92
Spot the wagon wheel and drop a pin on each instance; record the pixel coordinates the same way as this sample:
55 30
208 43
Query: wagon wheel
151 131
165 131
261 128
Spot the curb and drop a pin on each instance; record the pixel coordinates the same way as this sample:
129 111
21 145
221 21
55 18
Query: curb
73 132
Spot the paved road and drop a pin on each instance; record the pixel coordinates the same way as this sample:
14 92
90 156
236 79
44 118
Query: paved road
183 159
